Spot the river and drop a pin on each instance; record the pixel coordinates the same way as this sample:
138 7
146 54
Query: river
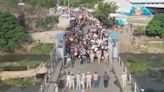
14 58
145 80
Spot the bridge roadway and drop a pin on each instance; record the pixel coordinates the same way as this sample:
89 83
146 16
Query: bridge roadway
114 82
114 70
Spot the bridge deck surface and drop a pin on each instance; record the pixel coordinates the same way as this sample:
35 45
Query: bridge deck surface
92 67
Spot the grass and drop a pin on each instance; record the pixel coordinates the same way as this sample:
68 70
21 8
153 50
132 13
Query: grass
137 65
19 66
42 49
22 83
18 82
152 90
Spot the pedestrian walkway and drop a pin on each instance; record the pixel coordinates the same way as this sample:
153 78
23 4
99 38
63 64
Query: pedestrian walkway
119 71
92 67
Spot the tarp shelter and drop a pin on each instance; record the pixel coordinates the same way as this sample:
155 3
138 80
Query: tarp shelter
60 45
59 36
114 36
120 21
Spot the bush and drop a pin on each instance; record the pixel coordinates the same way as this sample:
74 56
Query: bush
102 13
11 34
48 22
156 26
42 49
80 3
139 31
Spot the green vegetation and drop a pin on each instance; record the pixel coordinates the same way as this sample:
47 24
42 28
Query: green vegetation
156 26
153 90
102 13
34 3
162 61
137 65
11 34
47 23
17 82
80 3
139 31
19 66
42 49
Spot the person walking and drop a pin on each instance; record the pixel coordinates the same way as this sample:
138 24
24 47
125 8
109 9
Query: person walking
95 80
68 80
72 81
78 81
106 79
106 56
89 80
83 79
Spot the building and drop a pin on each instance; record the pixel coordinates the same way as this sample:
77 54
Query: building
139 7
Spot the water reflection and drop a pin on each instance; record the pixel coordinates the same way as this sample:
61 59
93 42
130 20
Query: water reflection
13 58
29 89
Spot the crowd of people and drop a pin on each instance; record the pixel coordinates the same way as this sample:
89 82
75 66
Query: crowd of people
86 39
80 81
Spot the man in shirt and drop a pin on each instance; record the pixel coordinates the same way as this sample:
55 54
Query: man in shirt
89 79
106 79
95 80
78 81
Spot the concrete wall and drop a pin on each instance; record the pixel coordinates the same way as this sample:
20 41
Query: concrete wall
45 37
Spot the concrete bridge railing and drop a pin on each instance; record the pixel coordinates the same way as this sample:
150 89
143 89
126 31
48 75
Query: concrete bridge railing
50 82
131 81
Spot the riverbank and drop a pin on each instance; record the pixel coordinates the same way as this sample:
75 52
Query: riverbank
25 58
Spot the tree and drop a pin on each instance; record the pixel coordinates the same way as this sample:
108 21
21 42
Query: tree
156 26
11 34
102 13
80 3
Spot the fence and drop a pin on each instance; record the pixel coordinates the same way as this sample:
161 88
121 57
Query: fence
51 78
131 80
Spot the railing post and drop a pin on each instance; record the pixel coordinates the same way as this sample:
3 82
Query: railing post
126 70
41 88
130 78
56 88
122 65
135 87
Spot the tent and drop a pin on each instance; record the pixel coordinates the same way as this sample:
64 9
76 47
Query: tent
59 36
114 36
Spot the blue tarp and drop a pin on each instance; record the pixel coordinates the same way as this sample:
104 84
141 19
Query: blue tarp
114 36
59 36
120 22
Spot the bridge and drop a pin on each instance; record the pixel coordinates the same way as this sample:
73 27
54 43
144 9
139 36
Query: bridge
55 79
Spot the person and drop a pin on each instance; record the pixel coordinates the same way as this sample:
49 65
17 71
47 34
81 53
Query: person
124 79
106 57
89 80
83 81
106 79
95 80
78 81
69 61
68 80
92 55
72 82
